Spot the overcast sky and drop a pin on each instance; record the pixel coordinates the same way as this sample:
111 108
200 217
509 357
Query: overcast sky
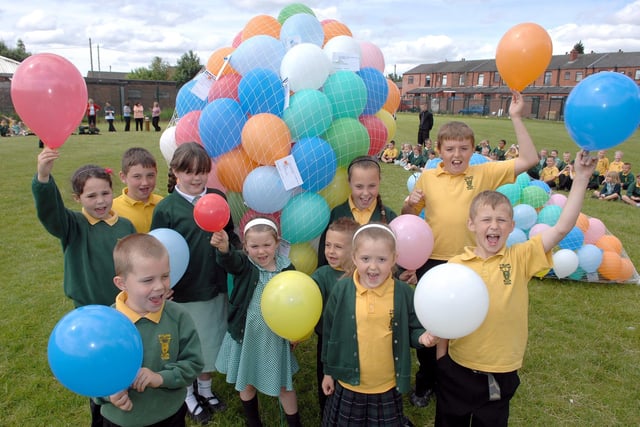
129 34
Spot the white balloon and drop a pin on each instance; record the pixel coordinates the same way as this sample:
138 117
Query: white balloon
168 143
565 262
451 300
340 47
305 66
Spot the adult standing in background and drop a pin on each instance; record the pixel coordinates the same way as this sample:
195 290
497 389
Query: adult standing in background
109 115
126 113
138 115
426 124
92 111
155 116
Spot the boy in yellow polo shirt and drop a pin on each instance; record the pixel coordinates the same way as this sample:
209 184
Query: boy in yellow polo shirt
477 374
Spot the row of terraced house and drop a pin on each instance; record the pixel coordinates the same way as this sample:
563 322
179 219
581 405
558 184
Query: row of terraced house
475 86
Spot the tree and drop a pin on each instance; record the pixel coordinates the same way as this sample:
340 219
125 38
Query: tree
394 77
579 47
188 66
158 70
19 53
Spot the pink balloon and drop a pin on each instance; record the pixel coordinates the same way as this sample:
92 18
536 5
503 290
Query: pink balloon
225 87
371 56
538 228
414 240
595 231
557 199
187 128
378 133
50 96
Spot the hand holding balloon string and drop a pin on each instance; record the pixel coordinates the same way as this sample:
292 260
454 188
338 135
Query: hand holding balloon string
220 241
146 377
428 340
45 163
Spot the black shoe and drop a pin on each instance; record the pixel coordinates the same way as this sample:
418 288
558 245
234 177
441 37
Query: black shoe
421 401
406 422
203 416
212 403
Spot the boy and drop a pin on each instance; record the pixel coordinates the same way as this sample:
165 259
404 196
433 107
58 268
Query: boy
626 177
633 193
617 163
137 201
172 356
477 374
445 193
390 154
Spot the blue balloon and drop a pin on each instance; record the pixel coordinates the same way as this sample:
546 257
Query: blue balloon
541 184
316 162
589 258
220 126
261 91
178 252
304 217
187 101
95 351
573 240
259 51
478 159
603 110
516 236
411 181
301 28
524 216
377 89
263 190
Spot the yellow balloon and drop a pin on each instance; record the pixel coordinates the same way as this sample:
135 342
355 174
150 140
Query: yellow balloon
542 273
304 257
389 122
338 189
291 305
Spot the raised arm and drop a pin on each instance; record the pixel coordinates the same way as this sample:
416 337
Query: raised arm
527 156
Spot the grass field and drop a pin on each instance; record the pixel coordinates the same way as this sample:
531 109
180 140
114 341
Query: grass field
582 363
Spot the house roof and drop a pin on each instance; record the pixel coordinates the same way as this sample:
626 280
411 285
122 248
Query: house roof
8 65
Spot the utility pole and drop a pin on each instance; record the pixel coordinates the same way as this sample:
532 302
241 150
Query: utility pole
90 54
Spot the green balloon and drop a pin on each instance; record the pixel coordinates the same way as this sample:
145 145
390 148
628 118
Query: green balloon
309 114
347 93
291 10
236 205
348 138
534 196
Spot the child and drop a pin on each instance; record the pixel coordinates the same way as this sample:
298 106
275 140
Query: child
610 187
252 356
172 357
364 204
633 193
202 288
601 169
500 150
369 314
137 201
477 374
337 251
87 237
626 177
390 154
446 192
617 163
416 160
565 179
403 158
550 173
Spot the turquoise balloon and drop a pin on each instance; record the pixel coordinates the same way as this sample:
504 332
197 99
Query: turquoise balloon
348 138
523 180
309 114
549 215
347 93
534 196
304 217
511 192
578 274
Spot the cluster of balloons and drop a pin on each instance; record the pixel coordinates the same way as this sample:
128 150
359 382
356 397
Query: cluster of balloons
587 252
287 86
95 351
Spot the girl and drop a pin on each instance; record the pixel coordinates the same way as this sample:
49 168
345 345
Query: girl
202 288
253 357
378 311
87 237
364 204
610 187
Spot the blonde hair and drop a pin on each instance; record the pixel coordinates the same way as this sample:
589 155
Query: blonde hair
137 244
491 199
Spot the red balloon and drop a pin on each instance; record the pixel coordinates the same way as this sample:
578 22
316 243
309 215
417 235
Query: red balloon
50 96
211 212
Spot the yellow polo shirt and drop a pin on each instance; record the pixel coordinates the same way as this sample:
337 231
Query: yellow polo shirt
447 199
615 166
362 216
374 319
139 213
602 166
498 345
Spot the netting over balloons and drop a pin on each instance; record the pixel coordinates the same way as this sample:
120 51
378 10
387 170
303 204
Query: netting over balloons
287 89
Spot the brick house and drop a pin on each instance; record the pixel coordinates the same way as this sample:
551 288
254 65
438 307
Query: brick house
475 85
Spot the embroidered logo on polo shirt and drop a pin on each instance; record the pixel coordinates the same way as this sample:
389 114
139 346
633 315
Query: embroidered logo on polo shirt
469 181
164 339
506 273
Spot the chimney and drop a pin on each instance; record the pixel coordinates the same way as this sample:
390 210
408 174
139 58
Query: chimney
573 55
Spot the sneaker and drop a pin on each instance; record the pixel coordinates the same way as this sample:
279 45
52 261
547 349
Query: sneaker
420 401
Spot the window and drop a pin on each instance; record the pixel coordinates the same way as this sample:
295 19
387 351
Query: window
547 78
481 79
637 77
578 76
461 80
410 80
567 75
427 80
444 80
496 77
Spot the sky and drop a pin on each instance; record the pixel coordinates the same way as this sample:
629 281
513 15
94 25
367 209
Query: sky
127 35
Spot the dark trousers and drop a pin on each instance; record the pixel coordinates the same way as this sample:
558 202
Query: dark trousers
127 123
111 127
155 122
322 398
92 121
423 135
175 420
139 123
473 399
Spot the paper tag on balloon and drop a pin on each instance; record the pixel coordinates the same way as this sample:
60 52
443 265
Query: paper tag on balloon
203 84
289 173
285 87
345 61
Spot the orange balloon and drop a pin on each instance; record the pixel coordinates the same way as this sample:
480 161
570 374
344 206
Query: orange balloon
610 265
334 28
261 25
582 222
216 60
626 270
233 167
266 138
393 99
609 242
524 52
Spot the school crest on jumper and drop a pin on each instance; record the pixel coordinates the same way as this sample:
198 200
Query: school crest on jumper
165 340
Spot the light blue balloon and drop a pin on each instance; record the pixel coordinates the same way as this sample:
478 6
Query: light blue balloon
477 159
589 258
261 91
178 250
411 181
377 89
433 163
347 93
220 126
304 217
316 162
603 110
524 216
263 190
95 351
573 240
549 214
516 236
301 28
187 101
259 51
